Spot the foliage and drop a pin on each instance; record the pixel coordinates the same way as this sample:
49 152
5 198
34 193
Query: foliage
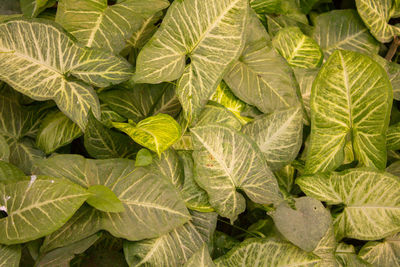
199 133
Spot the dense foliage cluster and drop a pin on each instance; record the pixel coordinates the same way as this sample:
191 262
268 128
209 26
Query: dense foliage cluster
199 133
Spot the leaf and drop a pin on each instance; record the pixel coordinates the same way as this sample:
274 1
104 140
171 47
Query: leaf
152 205
143 158
266 6
298 49
346 256
32 8
104 199
96 24
175 248
376 15
103 143
10 256
4 149
209 33
343 29
10 174
145 31
9 8
259 252
366 214
46 75
305 225
157 133
278 135
200 258
220 170
24 153
38 208
393 137
261 77
63 256
350 102
383 254
214 113
56 130
393 71
305 79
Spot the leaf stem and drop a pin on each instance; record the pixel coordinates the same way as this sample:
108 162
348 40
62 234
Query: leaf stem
393 48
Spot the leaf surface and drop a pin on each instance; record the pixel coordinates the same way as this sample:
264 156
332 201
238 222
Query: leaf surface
384 254
200 258
10 256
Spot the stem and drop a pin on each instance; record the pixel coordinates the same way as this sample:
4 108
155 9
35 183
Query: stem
393 48
237 227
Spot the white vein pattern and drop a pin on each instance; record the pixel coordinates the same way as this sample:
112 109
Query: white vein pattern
48 57
384 253
201 258
10 256
175 248
220 170
96 24
350 102
210 33
371 201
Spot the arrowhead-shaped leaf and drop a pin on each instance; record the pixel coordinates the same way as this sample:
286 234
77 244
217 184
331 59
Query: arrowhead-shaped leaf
201 258
104 199
214 113
371 201
10 174
208 32
221 170
351 101
38 208
96 24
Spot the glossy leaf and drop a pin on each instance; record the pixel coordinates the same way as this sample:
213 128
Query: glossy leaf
104 199
220 170
367 215
350 102
157 133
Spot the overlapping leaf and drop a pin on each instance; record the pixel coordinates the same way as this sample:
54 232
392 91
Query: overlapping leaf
32 8
384 254
9 173
200 258
4 149
10 256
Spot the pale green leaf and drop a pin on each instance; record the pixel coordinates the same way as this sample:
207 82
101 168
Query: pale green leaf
393 137
298 49
201 258
152 205
108 115
305 79
145 31
394 168
102 143
267 252
261 77
214 113
208 32
10 256
184 143
157 133
221 170
38 208
56 130
346 256
143 158
343 29
32 8
351 101
285 177
23 153
382 254
266 6
276 23
376 15
393 71
96 24
326 248
45 75
104 199
278 135
175 248
4 149
371 201
10 174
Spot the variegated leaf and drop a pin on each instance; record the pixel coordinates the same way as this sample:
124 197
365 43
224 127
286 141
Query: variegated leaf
201 258
346 256
10 256
32 8
10 174
351 101
214 113
305 79
383 254
4 149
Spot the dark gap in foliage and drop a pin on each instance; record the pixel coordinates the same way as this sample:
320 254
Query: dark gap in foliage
3 214
355 242
188 60
111 2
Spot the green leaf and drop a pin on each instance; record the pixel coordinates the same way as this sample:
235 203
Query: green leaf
278 135
376 15
104 199
157 133
267 252
108 115
4 149
32 8
24 153
393 137
393 71
62 256
366 214
38 208
220 170
46 75
103 143
305 79
175 248
346 256
200 258
214 113
276 23
10 256
261 77
145 31
305 225
266 6
209 33
351 101
383 254
298 49
143 158
343 29
96 24
9 8
10 174
56 130
152 205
